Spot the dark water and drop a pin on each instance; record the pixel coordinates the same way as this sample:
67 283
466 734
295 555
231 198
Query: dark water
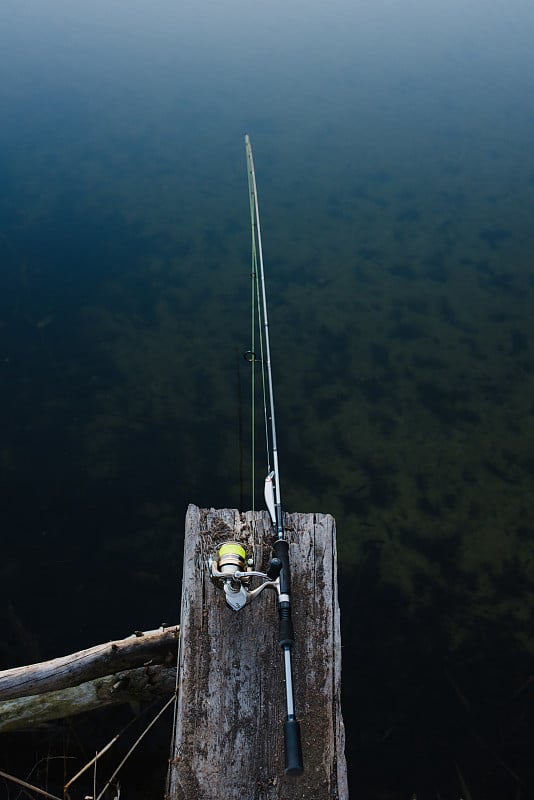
394 157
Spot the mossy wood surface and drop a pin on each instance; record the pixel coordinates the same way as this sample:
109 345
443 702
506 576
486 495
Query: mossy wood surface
228 739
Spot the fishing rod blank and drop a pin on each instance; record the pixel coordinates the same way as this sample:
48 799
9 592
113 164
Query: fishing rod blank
292 743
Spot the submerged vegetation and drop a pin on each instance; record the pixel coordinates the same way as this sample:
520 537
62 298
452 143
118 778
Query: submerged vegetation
398 233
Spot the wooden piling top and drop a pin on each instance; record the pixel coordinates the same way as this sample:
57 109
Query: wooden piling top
228 728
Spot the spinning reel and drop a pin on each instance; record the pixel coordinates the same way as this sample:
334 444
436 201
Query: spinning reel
232 572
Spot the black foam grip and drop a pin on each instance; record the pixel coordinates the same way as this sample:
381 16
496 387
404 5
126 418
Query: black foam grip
293 748
286 634
281 551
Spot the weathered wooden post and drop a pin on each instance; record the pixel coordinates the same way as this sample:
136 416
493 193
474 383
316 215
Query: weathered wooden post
228 739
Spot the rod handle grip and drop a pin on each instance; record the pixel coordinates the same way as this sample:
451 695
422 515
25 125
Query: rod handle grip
293 748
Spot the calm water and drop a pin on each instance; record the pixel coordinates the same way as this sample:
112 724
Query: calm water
395 166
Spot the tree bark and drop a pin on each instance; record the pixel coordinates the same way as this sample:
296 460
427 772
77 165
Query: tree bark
128 686
136 668
94 662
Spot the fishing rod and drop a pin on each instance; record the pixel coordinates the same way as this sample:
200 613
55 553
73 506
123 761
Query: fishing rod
286 638
231 570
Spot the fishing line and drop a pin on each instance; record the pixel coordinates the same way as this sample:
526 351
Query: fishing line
263 377
257 319
251 356
253 274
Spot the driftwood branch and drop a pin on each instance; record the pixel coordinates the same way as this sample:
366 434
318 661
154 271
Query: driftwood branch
103 659
137 668
143 683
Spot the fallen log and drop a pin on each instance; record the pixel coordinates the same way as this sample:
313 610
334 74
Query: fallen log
159 646
142 684
137 668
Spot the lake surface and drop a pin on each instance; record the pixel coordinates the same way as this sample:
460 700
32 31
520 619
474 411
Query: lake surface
394 156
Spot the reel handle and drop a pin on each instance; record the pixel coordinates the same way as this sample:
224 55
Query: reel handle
293 748
274 568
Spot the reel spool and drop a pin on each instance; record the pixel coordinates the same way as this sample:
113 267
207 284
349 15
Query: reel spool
229 572
231 558
232 572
